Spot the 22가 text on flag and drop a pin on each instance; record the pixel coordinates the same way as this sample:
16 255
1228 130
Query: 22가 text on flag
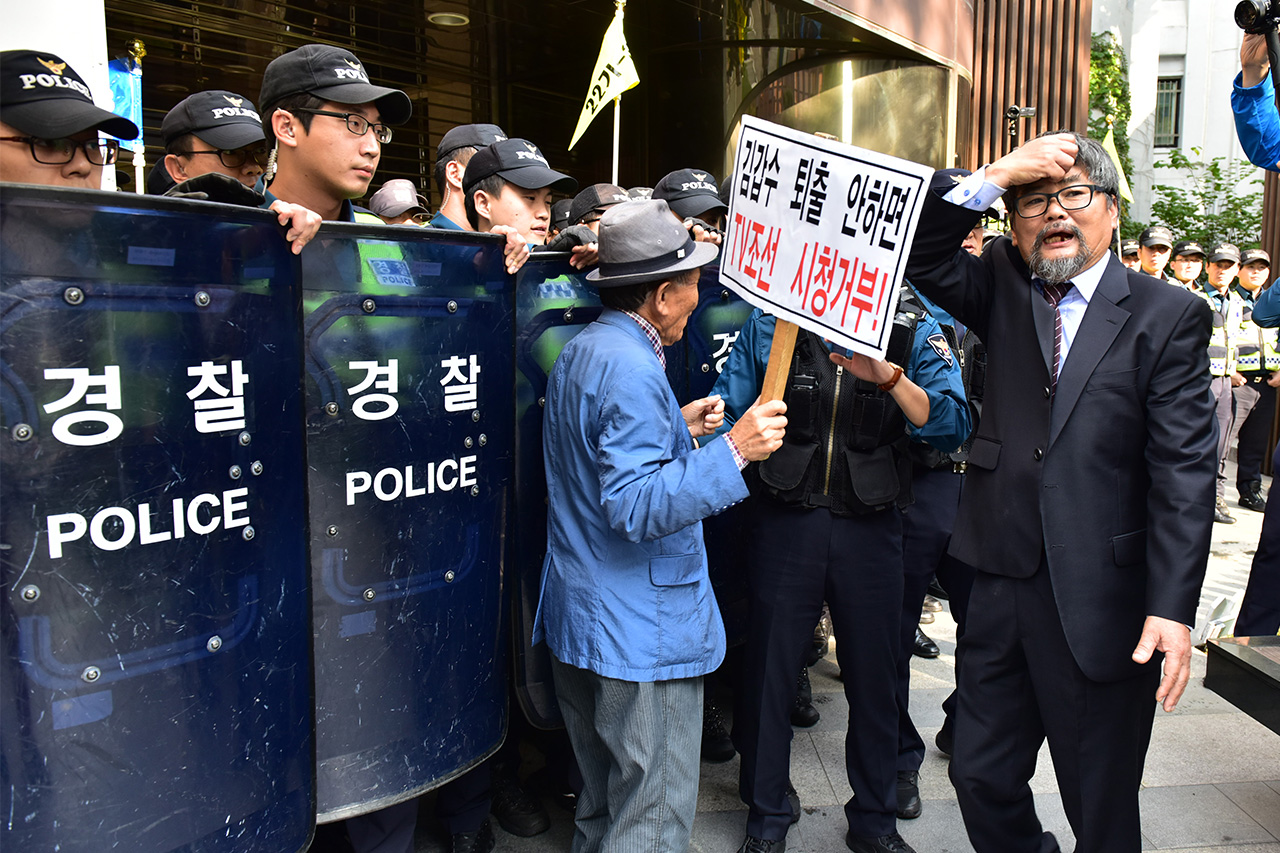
819 232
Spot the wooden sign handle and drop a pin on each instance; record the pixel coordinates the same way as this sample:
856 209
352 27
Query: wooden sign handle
779 368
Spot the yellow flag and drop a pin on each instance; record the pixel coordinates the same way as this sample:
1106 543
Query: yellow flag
615 73
1109 145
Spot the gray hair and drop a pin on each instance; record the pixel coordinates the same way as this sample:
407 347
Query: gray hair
1094 160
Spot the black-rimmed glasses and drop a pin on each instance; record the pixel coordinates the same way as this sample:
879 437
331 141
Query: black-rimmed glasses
236 158
1074 197
356 123
59 152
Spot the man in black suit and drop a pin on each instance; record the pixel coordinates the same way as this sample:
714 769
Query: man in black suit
1087 505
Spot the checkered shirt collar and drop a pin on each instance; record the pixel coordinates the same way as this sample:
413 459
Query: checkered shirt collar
650 332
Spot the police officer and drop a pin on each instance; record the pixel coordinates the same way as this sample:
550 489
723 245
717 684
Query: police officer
823 525
1228 312
213 131
1187 264
398 202
49 124
454 152
1129 254
694 198
1155 244
1257 363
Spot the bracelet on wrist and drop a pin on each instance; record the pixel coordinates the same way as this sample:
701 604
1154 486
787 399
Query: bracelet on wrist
893 380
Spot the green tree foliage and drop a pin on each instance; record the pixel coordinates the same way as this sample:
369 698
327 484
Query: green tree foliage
1221 202
1109 106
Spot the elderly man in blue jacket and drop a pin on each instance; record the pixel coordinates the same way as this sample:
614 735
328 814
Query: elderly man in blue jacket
626 606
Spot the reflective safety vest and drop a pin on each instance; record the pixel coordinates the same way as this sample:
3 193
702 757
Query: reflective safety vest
382 263
1228 314
1256 347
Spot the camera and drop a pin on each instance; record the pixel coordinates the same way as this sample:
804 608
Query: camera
1258 17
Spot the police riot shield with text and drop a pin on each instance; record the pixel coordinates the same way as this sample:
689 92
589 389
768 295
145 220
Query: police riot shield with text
708 339
408 339
153 575
554 302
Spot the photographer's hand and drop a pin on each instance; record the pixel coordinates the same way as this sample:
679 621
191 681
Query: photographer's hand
1253 60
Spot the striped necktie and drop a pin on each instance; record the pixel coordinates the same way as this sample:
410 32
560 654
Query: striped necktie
1053 294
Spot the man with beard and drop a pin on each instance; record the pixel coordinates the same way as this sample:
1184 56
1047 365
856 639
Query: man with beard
1087 499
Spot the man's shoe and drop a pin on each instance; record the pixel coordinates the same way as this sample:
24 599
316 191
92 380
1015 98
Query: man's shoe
1251 497
1220 514
931 604
909 806
821 639
480 841
925 647
926 617
717 747
751 844
803 714
936 590
516 811
891 843
946 739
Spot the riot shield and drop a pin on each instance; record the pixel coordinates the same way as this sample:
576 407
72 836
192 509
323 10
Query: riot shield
153 580
554 302
409 340
708 340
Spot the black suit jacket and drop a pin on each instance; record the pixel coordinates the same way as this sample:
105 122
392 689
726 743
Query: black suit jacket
1114 482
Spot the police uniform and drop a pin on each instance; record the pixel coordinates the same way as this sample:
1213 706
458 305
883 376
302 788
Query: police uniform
1228 313
823 525
1257 357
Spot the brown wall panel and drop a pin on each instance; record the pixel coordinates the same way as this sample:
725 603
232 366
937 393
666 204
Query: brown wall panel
941 26
1029 53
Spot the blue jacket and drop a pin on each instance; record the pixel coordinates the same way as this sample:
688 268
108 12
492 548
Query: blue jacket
938 374
1257 122
625 591
1266 310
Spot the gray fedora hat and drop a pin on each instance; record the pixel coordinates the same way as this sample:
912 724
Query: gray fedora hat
641 241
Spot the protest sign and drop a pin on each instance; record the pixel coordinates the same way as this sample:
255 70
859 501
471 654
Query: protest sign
819 232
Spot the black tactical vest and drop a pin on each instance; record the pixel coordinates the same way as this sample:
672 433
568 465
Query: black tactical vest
845 446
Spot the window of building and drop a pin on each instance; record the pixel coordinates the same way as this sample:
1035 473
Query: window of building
1168 111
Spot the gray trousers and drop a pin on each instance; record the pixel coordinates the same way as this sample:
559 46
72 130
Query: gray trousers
638 746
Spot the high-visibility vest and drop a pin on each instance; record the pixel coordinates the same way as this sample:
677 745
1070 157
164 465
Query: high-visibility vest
1226 323
1256 347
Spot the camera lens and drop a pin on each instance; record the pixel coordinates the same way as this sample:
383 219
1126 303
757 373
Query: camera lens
1251 16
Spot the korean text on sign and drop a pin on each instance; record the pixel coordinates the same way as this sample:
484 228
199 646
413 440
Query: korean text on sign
819 232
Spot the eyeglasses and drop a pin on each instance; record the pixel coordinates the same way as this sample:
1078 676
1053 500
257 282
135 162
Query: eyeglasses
236 158
1075 197
356 123
59 152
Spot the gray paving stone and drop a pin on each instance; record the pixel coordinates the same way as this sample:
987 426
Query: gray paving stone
1234 848
1196 815
1258 800
1199 749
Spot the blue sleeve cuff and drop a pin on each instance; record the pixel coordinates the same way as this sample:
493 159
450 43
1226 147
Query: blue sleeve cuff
975 192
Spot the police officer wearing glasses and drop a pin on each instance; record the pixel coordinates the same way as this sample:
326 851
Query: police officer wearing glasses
214 131
49 125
